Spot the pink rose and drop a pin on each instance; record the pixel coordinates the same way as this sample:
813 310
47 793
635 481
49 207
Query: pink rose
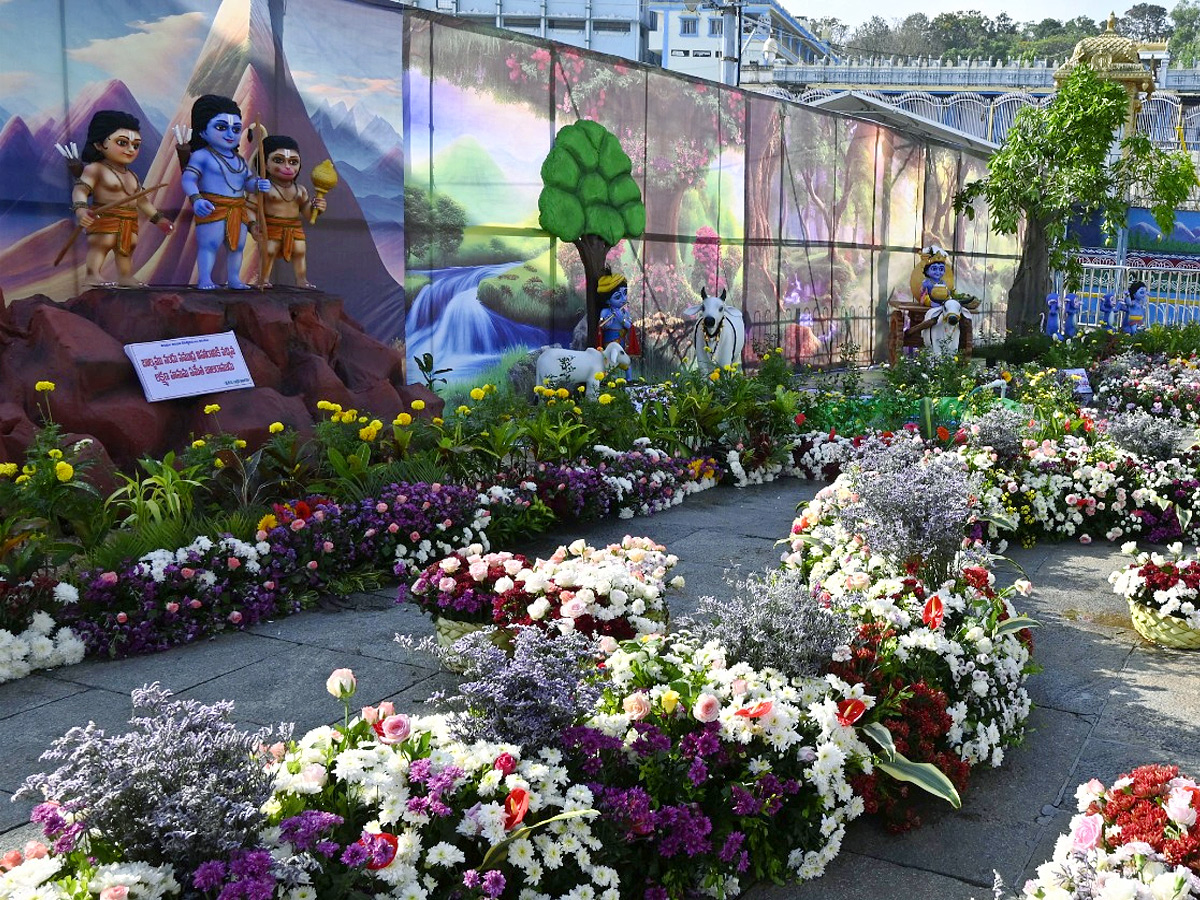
36 850
478 570
341 683
738 687
269 585
706 708
297 525
1087 832
370 715
233 562
235 617
608 644
327 546
122 618
447 584
312 564
637 705
386 709
260 535
108 578
172 607
187 573
1085 539
10 860
450 564
115 892
414 535
573 609
1179 807
393 528
505 764
195 604
381 507
858 581
395 729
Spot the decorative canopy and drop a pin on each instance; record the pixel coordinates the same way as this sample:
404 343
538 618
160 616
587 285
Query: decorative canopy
1114 58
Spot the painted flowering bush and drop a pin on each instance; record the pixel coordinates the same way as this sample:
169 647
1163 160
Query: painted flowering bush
708 772
1168 582
1135 838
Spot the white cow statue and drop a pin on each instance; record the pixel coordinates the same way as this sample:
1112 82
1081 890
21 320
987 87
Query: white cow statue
940 328
570 367
720 334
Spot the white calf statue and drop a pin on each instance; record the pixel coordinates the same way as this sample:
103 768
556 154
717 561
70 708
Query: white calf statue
940 330
720 334
569 367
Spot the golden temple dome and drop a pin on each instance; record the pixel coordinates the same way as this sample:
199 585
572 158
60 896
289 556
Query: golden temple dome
1113 57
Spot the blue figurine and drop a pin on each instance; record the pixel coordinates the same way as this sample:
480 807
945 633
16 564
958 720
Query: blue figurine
1134 306
1051 323
616 322
1070 316
1108 312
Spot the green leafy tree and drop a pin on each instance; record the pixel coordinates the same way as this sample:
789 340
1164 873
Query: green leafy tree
1058 164
1145 22
590 199
1185 39
432 221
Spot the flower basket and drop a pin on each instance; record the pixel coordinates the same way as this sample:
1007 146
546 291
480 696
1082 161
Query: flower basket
447 631
1166 631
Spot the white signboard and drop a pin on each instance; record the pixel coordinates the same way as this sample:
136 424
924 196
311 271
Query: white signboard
187 366
1080 377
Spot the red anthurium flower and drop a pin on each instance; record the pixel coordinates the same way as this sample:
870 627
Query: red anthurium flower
516 804
850 711
801 418
757 711
382 848
832 433
934 612
943 433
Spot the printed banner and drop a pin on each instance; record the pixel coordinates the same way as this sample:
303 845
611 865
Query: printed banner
185 367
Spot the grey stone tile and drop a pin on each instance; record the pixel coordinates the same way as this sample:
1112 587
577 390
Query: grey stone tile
1079 668
31 732
19 834
33 691
368 633
854 876
178 668
13 815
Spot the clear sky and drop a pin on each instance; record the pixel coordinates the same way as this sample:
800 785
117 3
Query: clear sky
855 12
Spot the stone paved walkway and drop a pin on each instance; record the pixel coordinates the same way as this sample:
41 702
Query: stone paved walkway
1105 702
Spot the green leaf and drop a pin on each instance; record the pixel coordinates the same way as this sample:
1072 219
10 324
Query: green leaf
574 139
1013 625
622 190
560 170
592 190
604 222
613 161
926 776
497 852
561 214
877 732
635 219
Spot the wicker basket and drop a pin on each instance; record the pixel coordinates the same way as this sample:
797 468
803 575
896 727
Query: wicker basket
1166 631
447 631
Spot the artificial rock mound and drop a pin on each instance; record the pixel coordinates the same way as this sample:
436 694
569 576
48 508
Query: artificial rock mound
299 345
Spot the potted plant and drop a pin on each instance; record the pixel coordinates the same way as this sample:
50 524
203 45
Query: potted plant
1162 590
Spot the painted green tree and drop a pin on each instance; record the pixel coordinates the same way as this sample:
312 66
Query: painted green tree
590 199
1058 165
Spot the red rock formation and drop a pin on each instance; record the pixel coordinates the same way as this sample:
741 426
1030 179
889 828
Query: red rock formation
300 347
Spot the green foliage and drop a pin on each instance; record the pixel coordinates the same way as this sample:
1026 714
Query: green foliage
432 375
165 492
588 188
1055 167
433 223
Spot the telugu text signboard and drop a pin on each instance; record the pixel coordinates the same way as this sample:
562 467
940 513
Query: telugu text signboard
187 366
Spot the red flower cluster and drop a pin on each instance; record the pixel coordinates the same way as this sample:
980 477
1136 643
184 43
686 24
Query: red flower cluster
1147 805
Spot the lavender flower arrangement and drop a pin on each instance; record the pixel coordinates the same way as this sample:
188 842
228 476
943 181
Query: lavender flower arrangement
1148 436
183 786
775 621
1000 428
530 697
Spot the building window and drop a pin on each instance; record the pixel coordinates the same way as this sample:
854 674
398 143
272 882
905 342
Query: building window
689 26
716 27
565 24
615 27
680 53
701 53
653 20
522 22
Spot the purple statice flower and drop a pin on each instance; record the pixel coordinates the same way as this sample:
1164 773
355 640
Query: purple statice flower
66 841
589 743
684 829
48 816
327 848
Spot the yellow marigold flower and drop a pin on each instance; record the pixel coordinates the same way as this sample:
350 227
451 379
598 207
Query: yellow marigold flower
8 470
275 427
212 408
350 415
21 479
366 433
438 420
28 469
463 410
42 386
418 405
551 402
376 424
64 471
562 393
219 463
267 522
55 454
362 420
610 384
714 375
324 404
599 376
605 399
577 410
670 699
239 444
1007 376
403 419
197 444
477 394
621 382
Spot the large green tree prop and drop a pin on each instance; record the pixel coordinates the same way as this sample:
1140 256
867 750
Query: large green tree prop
1057 165
590 199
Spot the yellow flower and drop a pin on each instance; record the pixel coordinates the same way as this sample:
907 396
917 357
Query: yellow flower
275 427
267 522
418 405
197 444
477 394
463 410
239 444
212 408
21 479
605 399
610 384
1007 376
324 404
438 420
621 382
562 393
8 470
599 376
63 471
551 402
714 375
366 433
403 419
219 463
42 386
55 454
349 416
670 699
362 420
577 410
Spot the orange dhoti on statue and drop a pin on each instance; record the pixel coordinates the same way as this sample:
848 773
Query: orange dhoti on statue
122 222
233 211
287 231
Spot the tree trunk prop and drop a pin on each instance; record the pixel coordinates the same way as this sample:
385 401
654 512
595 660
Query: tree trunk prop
592 250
